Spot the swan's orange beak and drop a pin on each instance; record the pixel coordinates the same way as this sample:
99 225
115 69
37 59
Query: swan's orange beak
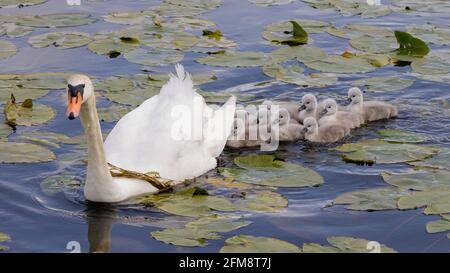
74 106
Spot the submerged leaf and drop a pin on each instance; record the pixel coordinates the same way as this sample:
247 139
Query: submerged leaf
60 183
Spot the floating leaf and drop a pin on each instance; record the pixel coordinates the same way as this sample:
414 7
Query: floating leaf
203 4
47 138
31 81
182 8
153 57
225 182
392 135
409 46
340 244
262 201
418 180
14 31
294 74
435 201
374 44
62 39
293 36
112 46
301 53
217 223
339 64
53 20
437 62
235 59
19 3
378 151
14 152
184 236
252 244
383 84
440 225
5 131
371 199
7 49
266 3
351 31
133 97
60 183
28 116
4 238
439 161
113 113
431 34
127 18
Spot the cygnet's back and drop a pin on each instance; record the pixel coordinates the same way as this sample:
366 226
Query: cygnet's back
331 115
324 134
370 110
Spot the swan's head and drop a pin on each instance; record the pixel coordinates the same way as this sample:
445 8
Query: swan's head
355 95
79 90
310 126
309 103
329 108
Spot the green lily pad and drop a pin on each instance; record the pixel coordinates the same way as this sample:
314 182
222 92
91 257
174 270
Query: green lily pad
266 170
301 53
62 39
182 8
47 138
253 244
382 152
112 46
431 34
383 84
262 201
37 115
14 31
7 49
435 201
60 183
4 238
53 20
351 31
371 199
236 59
398 136
153 57
203 4
437 62
439 161
113 112
133 97
267 3
14 152
440 225
29 81
294 74
339 64
372 44
418 180
294 36
219 182
19 3
5 131
410 47
342 244
184 236
127 18
218 223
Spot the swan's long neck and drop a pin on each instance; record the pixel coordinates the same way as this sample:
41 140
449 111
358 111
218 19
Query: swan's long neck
99 180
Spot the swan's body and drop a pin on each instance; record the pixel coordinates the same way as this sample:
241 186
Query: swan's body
370 110
331 115
151 138
323 134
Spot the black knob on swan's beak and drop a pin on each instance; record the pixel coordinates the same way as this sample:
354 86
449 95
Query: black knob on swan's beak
71 116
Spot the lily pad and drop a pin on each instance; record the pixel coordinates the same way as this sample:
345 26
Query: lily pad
184 236
113 113
267 3
218 223
178 8
301 53
383 84
382 152
203 4
262 201
15 152
295 36
7 49
19 3
47 138
34 114
153 57
435 201
440 225
253 244
112 46
398 136
60 183
372 44
294 74
339 64
437 62
236 59
342 244
5 131
133 97
53 20
418 180
439 161
351 31
29 81
4 238
127 18
371 199
431 34
225 182
410 47
63 39
266 170
14 31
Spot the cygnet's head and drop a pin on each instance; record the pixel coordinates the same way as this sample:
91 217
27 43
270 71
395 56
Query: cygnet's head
310 125
79 90
283 117
355 95
329 108
309 103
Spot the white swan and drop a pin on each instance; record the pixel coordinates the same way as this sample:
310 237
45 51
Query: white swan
370 110
151 138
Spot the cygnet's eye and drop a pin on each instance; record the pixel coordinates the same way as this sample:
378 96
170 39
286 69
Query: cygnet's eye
307 102
329 107
354 96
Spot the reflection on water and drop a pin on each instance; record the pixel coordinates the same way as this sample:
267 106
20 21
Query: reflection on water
27 213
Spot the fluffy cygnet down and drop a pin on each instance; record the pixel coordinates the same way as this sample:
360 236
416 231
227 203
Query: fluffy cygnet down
331 115
370 110
292 108
323 134
308 107
245 130
289 129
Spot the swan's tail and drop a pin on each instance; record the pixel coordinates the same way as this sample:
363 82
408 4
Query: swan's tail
179 82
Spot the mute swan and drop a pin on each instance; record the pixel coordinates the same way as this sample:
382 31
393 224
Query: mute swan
370 110
308 107
323 134
150 138
331 115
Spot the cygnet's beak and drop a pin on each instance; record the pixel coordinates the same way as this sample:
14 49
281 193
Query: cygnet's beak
302 107
323 112
349 100
305 129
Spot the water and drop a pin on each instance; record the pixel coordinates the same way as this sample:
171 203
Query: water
41 223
